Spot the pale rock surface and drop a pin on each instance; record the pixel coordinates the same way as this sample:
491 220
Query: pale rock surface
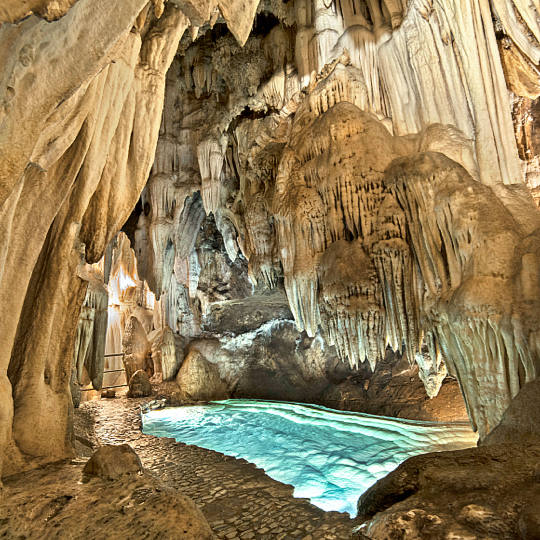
199 379
136 348
344 190
90 124
79 115
91 331
50 10
166 353
256 346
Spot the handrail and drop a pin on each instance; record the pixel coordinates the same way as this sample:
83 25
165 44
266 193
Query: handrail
103 388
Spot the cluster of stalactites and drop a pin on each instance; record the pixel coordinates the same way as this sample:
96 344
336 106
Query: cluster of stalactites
350 301
345 239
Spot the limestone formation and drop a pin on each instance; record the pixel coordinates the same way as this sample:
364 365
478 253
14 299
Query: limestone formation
520 422
199 379
487 492
374 160
139 384
81 96
113 461
330 181
60 500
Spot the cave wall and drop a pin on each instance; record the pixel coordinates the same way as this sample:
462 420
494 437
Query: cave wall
241 341
360 154
80 105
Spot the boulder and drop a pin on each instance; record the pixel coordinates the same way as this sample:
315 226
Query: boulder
53 503
476 493
199 379
521 421
113 461
139 385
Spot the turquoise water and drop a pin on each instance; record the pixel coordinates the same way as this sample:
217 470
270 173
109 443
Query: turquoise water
330 457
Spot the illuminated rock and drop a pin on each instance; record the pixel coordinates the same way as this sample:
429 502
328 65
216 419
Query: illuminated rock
359 154
199 379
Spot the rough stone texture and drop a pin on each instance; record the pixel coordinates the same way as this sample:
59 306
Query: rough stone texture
521 421
130 507
139 385
247 314
92 331
237 499
199 379
275 362
13 10
359 155
79 114
324 150
136 348
478 493
81 95
113 461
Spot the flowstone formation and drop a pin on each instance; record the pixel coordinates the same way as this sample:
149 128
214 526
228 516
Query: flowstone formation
362 156
359 155
81 94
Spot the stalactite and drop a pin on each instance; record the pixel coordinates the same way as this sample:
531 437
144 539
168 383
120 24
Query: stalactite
211 156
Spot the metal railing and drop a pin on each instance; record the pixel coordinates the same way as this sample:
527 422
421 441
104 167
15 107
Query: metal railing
109 371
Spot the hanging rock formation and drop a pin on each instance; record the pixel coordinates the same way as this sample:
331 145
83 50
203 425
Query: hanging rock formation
81 95
386 196
359 155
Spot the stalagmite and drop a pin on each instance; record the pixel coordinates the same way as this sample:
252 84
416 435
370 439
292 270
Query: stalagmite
91 334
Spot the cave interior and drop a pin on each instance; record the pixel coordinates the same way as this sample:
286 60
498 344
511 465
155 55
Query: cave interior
327 202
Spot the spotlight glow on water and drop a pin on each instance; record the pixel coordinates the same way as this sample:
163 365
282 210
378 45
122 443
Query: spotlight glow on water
328 456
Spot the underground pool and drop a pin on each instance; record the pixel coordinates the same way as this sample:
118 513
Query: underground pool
330 457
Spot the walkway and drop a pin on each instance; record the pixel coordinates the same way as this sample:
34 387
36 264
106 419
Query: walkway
238 500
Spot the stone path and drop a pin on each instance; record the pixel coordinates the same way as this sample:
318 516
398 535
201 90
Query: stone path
238 500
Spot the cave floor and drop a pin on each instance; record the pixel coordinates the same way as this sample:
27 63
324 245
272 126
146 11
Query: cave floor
238 500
